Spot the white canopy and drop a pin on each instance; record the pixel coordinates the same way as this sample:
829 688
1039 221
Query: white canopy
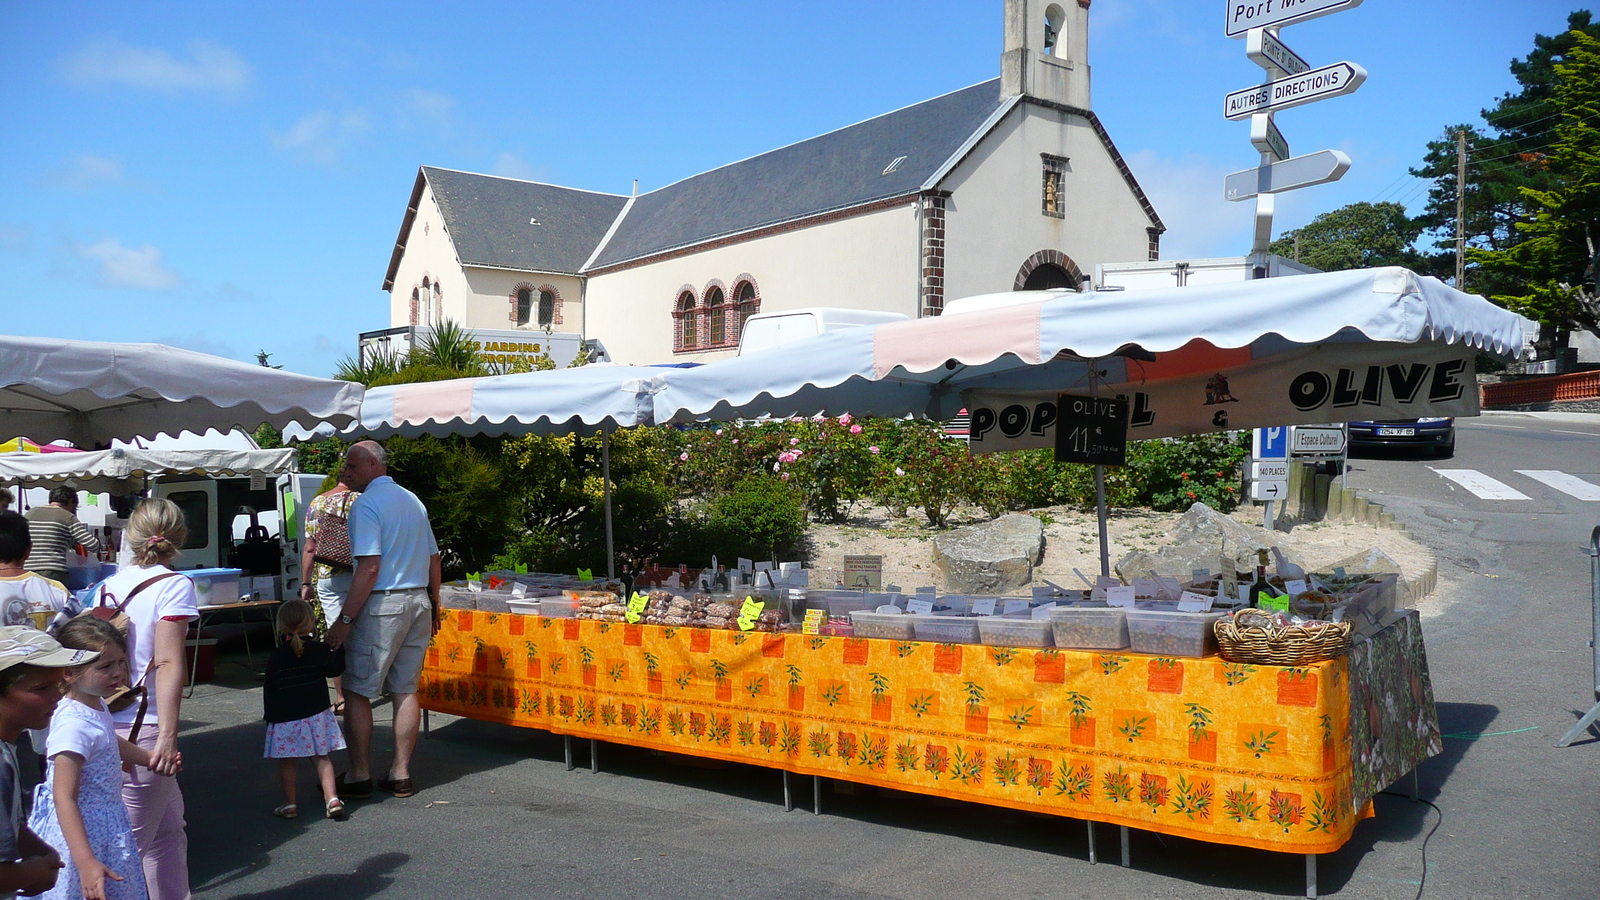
1363 344
114 470
583 401
89 392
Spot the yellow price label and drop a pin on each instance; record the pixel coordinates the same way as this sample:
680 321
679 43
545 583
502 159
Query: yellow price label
636 606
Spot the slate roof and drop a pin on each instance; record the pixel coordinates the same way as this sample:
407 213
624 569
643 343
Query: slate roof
488 220
837 170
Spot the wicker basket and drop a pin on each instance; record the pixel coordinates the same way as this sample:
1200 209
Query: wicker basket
1250 636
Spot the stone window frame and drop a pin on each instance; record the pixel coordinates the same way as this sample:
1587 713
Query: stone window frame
743 309
1054 175
535 293
685 319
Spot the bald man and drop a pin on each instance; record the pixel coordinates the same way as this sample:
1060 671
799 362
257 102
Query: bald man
390 614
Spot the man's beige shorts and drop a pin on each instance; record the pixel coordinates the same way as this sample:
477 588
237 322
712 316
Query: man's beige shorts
388 643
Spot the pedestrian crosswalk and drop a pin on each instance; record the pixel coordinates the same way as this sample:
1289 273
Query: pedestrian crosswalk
1485 487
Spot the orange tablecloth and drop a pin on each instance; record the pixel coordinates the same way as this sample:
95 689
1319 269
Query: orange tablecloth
1257 756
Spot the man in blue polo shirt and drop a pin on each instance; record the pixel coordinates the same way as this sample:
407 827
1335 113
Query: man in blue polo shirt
390 614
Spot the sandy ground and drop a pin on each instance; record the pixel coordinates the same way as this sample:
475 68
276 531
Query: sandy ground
1072 542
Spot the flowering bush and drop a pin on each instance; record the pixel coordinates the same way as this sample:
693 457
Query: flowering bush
912 465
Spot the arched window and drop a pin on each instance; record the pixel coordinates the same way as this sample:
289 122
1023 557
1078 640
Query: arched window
525 305
547 308
689 331
717 311
1048 276
426 294
747 303
1054 17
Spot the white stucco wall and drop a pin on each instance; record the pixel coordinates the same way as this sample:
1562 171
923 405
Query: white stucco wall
488 302
993 220
864 262
473 297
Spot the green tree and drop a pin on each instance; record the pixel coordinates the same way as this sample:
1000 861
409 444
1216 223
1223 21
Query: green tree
1506 154
1550 274
1358 236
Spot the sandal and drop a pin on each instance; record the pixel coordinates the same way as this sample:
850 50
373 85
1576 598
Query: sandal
336 809
338 708
287 811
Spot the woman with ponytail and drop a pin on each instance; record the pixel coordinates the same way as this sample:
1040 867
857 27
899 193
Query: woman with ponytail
159 604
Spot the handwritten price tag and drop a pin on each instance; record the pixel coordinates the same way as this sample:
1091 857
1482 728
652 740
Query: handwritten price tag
636 607
1121 595
919 607
749 612
984 607
1295 587
1189 601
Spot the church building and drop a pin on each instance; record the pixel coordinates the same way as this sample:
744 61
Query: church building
1010 184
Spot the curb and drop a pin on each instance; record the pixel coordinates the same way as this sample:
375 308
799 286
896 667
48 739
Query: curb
1346 505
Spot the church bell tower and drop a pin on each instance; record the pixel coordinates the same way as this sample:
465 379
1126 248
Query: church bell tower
1047 51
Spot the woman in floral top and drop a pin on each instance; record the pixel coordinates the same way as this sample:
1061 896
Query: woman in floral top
324 585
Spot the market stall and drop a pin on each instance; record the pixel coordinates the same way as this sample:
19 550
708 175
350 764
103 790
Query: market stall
1280 758
123 469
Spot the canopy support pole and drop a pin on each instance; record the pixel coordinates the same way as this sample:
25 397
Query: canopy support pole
1589 718
1100 480
605 474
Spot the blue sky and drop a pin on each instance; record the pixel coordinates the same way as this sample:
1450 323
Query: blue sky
231 177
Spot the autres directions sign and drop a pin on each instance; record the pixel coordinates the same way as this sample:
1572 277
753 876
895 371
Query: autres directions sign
1244 15
1308 87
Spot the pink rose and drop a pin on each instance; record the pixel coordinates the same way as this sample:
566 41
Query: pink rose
844 419
855 429
683 457
794 442
873 449
784 476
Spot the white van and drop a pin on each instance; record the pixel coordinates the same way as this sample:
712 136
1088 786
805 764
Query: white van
767 330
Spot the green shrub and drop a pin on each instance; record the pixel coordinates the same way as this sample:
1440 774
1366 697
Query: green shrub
1174 473
761 518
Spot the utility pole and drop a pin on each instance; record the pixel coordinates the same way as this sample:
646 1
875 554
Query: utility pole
1461 209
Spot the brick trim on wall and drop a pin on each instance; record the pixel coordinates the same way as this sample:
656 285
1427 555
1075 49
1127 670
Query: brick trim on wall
677 317
1050 257
933 210
743 279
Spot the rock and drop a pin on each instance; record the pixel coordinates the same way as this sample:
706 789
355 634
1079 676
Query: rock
1204 539
991 557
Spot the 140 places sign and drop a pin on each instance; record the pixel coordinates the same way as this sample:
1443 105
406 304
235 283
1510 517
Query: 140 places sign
1319 384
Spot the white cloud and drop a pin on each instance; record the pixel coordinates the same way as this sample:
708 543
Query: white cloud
16 239
320 137
211 67
427 107
116 266
509 165
201 342
85 172
1187 194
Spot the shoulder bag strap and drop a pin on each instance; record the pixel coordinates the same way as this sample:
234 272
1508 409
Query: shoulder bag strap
121 606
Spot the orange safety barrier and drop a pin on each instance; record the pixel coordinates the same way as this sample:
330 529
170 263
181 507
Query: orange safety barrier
1269 757
1549 389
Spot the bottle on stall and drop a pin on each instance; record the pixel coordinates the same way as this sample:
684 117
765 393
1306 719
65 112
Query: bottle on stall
1260 586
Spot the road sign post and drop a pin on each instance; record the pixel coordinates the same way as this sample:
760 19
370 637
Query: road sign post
1269 467
1291 82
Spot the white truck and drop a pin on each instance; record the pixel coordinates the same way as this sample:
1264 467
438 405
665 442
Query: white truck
1164 273
765 331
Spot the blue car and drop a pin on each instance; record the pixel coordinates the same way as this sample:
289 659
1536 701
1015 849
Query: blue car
1435 435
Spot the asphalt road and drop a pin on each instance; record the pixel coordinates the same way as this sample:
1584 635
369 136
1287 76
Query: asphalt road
499 816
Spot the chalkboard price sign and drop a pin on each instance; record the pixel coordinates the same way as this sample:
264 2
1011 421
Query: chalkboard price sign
1092 430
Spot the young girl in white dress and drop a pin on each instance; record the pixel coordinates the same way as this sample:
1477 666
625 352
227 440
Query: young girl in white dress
78 809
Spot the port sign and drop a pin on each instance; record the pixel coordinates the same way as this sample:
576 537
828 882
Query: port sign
1244 15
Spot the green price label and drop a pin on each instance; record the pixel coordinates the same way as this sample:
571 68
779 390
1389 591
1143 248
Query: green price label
522 568
585 574
1277 604
751 608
